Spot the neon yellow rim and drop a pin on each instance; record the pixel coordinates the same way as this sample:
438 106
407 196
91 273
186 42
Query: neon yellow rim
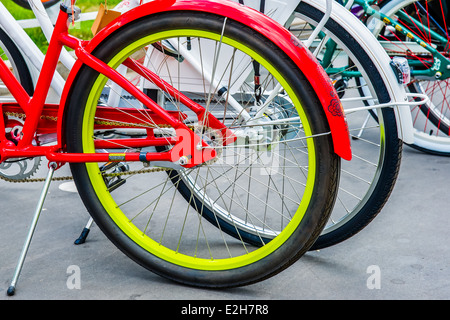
123 222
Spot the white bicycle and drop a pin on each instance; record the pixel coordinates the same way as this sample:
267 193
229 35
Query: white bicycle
367 81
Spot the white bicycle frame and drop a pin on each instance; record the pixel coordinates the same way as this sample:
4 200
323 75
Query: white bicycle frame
279 10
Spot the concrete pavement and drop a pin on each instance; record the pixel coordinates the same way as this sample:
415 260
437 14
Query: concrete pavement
402 254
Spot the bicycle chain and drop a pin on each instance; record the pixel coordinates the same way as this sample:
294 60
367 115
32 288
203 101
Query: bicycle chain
66 178
51 118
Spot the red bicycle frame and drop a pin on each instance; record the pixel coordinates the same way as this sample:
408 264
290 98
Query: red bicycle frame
186 143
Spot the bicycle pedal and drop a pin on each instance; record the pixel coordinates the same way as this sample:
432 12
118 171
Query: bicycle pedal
116 184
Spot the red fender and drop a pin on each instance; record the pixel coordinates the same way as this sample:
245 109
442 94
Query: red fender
301 56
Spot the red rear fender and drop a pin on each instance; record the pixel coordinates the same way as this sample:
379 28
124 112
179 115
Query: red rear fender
305 61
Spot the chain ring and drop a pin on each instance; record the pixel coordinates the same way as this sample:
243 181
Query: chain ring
24 178
16 169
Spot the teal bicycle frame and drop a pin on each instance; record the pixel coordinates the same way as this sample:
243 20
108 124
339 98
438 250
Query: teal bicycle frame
440 69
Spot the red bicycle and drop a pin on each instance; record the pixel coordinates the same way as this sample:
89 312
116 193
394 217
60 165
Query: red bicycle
180 106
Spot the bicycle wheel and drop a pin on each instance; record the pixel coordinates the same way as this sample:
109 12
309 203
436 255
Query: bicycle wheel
422 18
25 4
14 58
367 181
278 175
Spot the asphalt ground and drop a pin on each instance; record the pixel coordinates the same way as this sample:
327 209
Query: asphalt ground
403 254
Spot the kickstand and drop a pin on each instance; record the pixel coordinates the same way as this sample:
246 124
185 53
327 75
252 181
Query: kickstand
82 238
121 167
12 288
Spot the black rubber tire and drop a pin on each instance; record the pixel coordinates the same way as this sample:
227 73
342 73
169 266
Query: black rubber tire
391 158
19 65
389 162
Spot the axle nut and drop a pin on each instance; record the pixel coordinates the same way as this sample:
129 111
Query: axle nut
183 160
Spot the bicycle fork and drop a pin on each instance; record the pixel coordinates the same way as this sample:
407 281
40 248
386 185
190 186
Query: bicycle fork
12 288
